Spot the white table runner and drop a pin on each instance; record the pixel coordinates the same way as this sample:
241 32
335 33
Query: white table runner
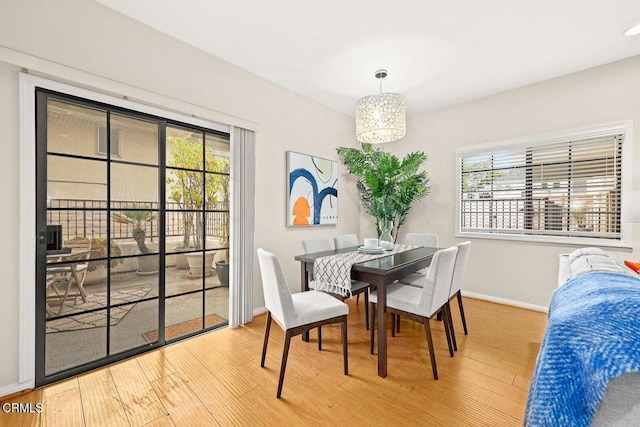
333 273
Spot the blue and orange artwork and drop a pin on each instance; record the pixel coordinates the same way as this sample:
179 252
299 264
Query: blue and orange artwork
313 190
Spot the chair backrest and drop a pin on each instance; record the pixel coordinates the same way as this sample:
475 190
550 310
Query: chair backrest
439 275
317 245
78 244
460 267
346 241
277 296
421 239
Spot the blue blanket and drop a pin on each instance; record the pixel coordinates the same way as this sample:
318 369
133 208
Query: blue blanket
592 336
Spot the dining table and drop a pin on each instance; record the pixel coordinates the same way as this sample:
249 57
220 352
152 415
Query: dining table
378 273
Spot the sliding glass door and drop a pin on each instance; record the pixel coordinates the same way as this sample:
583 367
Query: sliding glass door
133 233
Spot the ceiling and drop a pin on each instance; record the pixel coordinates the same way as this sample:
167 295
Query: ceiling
438 52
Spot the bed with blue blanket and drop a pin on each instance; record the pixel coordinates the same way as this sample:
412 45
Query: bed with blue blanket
592 337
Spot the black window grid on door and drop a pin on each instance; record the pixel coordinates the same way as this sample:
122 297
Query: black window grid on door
100 213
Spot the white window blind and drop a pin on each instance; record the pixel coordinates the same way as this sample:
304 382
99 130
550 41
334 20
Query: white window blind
567 187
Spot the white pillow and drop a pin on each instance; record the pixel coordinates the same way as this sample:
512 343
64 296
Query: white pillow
587 260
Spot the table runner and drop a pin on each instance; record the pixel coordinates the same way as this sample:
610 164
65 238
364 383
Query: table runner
333 273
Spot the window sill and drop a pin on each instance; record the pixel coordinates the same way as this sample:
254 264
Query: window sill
577 241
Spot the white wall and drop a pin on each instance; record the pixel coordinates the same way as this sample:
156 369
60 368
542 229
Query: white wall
517 271
9 219
84 43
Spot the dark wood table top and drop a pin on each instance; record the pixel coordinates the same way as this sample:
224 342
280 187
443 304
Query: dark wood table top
388 268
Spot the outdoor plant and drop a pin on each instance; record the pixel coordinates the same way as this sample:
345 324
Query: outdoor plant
388 186
194 190
138 219
99 250
579 214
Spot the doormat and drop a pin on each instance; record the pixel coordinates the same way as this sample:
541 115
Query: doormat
179 329
95 319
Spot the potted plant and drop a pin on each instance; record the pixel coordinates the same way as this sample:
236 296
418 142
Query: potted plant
196 192
97 270
138 219
388 186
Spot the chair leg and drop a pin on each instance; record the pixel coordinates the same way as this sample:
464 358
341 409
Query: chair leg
451 329
319 337
393 324
427 331
79 281
283 366
345 354
358 299
366 308
398 324
372 325
464 321
447 329
266 338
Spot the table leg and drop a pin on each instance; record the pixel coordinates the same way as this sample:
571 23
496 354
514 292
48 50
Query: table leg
304 286
382 330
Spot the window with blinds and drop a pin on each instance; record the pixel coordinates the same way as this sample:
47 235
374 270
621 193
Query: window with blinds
567 186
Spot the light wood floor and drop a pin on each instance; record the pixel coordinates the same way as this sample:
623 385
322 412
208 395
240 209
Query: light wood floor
216 379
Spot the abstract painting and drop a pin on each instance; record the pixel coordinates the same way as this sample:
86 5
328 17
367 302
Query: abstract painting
312 190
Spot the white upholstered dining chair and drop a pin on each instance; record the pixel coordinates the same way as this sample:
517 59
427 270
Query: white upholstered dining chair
419 239
458 278
296 313
422 303
346 241
456 284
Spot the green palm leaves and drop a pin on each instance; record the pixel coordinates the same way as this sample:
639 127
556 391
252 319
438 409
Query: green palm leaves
388 186
138 219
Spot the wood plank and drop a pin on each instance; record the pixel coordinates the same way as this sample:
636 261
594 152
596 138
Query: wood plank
60 387
475 412
218 400
221 366
183 406
522 382
26 413
161 422
101 403
199 381
140 402
155 365
63 409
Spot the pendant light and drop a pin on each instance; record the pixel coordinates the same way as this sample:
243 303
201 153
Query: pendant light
381 118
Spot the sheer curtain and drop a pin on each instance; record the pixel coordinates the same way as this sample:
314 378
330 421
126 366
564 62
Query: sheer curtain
242 226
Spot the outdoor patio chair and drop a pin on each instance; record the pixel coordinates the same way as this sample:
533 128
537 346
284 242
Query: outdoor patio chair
71 271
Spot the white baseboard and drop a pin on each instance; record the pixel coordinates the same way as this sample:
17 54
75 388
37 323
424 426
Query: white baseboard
506 301
15 388
258 311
